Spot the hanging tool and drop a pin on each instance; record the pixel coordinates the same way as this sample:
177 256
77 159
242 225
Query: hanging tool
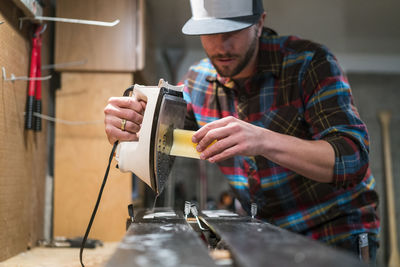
34 98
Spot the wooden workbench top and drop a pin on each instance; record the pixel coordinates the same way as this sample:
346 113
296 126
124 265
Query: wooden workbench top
61 257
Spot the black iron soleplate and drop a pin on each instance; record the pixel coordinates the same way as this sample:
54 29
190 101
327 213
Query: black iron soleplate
169 114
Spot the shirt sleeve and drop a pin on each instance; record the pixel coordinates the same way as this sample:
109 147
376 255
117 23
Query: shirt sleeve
330 111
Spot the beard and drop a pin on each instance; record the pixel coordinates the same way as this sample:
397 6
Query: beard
233 70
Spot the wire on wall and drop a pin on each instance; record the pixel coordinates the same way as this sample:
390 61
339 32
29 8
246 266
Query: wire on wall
68 122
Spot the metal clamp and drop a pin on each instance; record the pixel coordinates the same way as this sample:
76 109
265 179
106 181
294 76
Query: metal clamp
187 209
253 210
193 210
363 247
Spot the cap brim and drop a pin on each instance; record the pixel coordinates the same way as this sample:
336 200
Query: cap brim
215 25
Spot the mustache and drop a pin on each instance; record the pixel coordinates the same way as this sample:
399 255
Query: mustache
227 55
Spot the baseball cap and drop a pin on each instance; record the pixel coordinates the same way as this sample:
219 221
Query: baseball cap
220 16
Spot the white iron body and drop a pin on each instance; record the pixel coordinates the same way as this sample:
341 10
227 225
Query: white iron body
135 156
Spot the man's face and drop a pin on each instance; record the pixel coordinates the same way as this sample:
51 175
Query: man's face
232 53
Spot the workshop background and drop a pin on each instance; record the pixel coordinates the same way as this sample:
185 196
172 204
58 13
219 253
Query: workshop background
49 180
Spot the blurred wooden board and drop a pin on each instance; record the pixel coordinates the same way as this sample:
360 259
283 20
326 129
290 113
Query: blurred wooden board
81 157
119 48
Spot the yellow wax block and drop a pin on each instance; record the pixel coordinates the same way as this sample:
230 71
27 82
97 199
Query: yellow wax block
183 145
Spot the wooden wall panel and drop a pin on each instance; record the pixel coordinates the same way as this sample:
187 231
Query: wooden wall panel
23 158
81 155
119 48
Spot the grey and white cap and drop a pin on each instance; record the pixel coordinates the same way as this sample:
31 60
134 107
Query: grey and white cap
220 16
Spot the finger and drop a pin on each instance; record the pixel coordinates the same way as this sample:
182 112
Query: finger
127 102
212 135
114 134
123 113
130 126
143 104
226 154
219 147
199 134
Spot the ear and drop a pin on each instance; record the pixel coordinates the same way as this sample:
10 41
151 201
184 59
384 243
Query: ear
260 23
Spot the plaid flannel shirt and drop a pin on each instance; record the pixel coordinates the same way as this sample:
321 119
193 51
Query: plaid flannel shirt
298 90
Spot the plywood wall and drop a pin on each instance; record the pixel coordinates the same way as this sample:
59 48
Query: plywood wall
118 48
22 153
81 156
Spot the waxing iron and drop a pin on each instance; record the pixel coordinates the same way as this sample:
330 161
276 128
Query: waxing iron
149 158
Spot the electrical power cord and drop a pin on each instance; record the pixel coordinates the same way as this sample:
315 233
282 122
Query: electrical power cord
97 203
85 237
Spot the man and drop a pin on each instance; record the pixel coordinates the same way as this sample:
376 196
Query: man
288 135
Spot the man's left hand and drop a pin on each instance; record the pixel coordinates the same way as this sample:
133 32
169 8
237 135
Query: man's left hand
234 137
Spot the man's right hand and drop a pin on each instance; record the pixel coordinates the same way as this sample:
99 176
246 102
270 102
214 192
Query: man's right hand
119 109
